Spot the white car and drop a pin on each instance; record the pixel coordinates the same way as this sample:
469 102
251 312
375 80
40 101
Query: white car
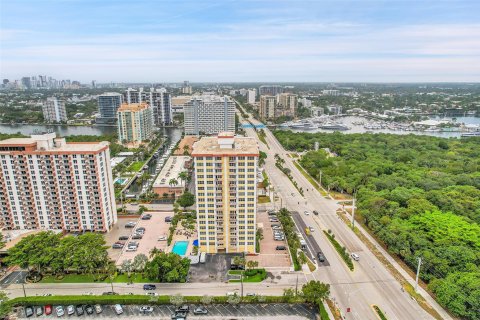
70 310
59 311
118 309
307 213
162 238
355 256
131 249
153 294
146 309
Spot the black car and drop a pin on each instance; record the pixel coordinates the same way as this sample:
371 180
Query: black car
79 310
89 309
137 236
149 287
117 246
109 293
281 248
168 219
183 308
315 212
321 257
123 238
28 311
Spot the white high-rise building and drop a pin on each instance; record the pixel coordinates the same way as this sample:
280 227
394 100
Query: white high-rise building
209 114
54 110
251 96
135 123
46 183
226 192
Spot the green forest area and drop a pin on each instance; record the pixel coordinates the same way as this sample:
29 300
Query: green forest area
420 195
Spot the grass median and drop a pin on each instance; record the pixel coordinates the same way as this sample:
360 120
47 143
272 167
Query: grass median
341 250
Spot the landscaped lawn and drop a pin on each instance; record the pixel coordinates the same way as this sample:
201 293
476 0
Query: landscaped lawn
86 278
263 199
136 166
259 277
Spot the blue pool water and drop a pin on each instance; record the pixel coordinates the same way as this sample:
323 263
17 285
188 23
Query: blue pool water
120 181
180 247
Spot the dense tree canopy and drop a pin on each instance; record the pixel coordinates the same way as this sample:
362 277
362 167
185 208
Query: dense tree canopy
420 195
167 267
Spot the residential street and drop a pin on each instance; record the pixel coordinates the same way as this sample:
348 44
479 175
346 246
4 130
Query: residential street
370 283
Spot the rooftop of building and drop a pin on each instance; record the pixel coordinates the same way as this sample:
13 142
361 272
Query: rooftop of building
110 94
49 142
226 143
211 98
171 169
133 106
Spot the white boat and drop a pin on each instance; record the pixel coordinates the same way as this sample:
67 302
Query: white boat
470 134
334 126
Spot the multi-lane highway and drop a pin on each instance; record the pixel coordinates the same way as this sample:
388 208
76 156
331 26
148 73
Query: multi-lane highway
354 292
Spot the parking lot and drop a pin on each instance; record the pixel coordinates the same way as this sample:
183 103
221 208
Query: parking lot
154 228
217 311
270 257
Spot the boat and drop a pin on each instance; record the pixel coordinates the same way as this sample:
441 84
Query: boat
303 125
334 126
470 134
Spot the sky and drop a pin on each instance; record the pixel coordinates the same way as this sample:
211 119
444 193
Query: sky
241 40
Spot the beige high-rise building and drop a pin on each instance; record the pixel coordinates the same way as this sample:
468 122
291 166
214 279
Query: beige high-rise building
135 123
54 110
287 104
47 183
226 192
267 107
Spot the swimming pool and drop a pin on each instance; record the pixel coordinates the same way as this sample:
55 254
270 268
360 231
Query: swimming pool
180 247
121 181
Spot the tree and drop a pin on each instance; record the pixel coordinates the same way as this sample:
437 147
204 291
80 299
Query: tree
302 258
127 267
167 267
186 150
184 176
176 299
139 262
5 305
154 252
288 294
251 264
314 291
206 299
173 182
239 261
187 199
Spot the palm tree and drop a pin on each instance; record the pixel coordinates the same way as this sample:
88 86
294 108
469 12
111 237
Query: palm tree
173 182
154 252
184 176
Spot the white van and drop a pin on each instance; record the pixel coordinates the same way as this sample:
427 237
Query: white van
203 257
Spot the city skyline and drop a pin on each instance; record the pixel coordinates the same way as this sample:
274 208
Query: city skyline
241 41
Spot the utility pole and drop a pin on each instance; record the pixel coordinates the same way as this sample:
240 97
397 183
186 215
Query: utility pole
320 177
24 292
296 286
353 212
418 272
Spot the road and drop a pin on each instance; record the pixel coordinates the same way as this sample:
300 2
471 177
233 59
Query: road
354 292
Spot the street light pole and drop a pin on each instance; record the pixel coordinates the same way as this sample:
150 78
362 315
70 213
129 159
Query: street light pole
418 273
353 213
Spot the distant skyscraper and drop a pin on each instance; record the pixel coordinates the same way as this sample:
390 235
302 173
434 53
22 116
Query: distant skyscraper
226 193
267 108
54 110
270 90
209 114
251 96
26 83
94 84
135 123
287 104
161 102
46 183
108 104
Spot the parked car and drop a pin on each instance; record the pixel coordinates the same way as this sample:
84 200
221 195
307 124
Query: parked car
168 219
48 309
141 229
70 310
183 308
355 256
311 229
118 309
321 257
89 309
153 294
251 294
306 213
123 238
137 236
29 311
109 293
281 248
146 309
271 212
315 212
149 287
39 311
98 308
131 249
79 310
147 216
162 238
117 246
130 224
200 310
59 311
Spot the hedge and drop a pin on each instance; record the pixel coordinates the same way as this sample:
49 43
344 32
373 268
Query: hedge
127 299
323 312
341 250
